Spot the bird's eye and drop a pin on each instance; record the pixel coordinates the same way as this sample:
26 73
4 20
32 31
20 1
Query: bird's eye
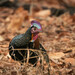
34 28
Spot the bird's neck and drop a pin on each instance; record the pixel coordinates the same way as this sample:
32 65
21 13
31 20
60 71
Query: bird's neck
28 31
36 40
36 43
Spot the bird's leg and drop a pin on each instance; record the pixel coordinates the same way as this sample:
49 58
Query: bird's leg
46 58
41 60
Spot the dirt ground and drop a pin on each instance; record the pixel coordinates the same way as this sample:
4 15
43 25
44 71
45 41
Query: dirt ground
57 37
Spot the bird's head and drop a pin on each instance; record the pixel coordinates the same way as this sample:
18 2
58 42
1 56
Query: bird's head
35 29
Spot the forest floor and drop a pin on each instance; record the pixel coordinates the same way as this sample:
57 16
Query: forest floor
58 38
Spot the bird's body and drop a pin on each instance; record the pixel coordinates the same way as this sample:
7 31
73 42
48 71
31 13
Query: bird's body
21 41
28 40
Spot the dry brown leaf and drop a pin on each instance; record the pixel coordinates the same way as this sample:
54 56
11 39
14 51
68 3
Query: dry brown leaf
17 19
52 64
73 18
70 60
65 39
4 46
13 72
51 20
1 38
57 55
43 13
64 34
0 52
68 2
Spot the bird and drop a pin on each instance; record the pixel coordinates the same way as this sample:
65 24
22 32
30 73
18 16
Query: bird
28 40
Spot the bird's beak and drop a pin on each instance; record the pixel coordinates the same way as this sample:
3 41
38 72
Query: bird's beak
34 37
32 40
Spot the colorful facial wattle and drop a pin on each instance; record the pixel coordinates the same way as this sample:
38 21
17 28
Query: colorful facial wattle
36 29
34 37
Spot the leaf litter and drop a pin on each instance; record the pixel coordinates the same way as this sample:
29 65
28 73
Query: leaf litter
58 38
